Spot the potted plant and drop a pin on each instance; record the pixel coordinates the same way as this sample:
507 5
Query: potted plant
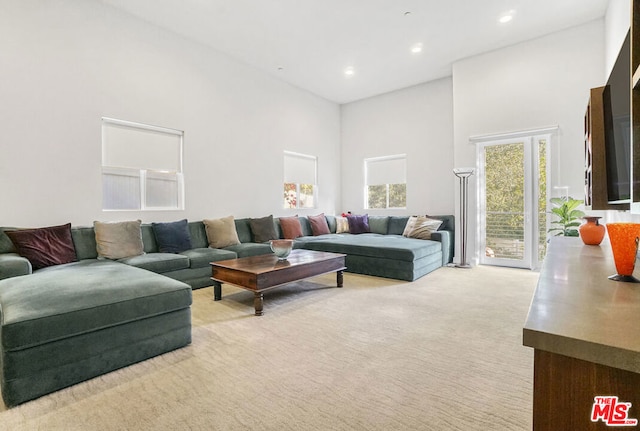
565 209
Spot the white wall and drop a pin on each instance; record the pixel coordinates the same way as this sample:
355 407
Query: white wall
65 64
534 84
617 21
417 121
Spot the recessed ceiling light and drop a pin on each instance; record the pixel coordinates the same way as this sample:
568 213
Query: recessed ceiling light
506 17
416 48
349 71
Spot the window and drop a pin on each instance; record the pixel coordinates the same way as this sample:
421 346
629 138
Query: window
300 180
385 181
141 166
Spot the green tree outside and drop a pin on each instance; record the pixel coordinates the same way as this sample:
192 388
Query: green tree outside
504 180
377 196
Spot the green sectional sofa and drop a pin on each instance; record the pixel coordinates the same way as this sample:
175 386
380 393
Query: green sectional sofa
69 322
384 252
66 324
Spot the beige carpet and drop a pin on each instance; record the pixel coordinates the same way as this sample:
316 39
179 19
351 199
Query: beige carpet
442 353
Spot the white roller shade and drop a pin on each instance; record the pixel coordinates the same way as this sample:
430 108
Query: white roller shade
141 146
386 170
120 189
299 168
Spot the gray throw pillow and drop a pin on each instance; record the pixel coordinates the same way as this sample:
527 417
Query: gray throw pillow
263 229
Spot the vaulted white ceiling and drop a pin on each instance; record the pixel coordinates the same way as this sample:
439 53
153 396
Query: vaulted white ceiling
310 43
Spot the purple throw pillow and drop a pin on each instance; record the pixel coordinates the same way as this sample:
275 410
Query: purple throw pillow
358 223
45 246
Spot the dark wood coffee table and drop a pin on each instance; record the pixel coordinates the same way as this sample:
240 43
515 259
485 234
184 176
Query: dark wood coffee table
264 272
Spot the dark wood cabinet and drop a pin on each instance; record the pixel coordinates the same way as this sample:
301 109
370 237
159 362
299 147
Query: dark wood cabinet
565 389
595 172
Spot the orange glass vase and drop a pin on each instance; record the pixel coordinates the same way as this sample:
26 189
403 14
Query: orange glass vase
624 238
592 232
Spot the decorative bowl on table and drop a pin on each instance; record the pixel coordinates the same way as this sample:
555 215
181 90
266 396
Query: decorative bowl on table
281 247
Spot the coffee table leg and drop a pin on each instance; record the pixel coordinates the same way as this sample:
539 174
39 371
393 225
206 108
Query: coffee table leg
339 278
217 291
257 303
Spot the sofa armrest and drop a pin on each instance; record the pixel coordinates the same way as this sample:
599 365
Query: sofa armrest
446 238
13 265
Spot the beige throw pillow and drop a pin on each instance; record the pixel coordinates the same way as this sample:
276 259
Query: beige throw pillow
116 240
342 225
421 227
221 232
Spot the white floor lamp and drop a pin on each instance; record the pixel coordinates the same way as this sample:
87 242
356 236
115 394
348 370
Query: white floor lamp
463 174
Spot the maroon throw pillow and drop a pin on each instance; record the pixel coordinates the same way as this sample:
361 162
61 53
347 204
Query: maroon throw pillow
319 225
358 223
291 228
45 246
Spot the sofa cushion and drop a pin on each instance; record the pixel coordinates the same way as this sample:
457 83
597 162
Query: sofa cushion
448 222
13 265
244 230
44 246
421 227
319 225
291 228
158 262
379 224
375 245
198 234
263 229
6 246
392 268
221 232
53 303
331 222
305 224
397 224
115 240
172 237
250 249
201 257
358 224
84 241
148 239
301 241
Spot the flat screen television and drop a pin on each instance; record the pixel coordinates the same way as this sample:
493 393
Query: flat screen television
617 121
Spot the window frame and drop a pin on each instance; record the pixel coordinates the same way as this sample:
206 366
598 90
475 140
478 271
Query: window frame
367 168
144 174
298 185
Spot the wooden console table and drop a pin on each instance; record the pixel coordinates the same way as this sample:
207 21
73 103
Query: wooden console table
585 330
